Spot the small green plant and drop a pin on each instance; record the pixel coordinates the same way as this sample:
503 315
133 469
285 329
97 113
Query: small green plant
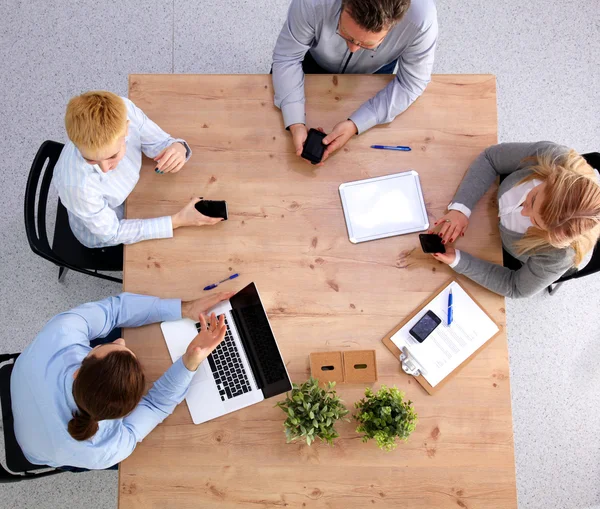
385 416
312 412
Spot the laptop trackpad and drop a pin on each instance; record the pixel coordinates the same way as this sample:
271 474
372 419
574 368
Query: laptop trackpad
203 373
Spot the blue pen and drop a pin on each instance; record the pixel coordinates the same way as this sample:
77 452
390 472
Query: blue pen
210 287
450 307
391 147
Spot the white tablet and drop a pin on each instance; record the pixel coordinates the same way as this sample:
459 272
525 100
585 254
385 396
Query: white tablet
382 207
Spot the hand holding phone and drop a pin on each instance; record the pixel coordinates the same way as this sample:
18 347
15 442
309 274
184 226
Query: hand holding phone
189 216
313 146
431 243
212 208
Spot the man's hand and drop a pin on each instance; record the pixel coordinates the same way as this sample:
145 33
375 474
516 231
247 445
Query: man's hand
337 138
189 216
205 342
194 309
448 257
171 159
299 134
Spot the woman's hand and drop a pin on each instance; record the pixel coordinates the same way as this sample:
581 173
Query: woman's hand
171 159
448 257
205 342
189 216
194 309
454 224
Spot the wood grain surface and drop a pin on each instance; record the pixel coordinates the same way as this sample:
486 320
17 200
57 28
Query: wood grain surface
286 232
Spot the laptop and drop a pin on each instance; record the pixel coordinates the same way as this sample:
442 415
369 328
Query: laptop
244 369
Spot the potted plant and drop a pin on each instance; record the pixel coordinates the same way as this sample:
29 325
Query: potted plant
385 416
312 412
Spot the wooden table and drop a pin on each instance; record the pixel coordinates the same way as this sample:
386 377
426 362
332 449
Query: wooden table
286 232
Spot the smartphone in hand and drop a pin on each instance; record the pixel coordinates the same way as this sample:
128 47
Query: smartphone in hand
212 208
431 243
313 146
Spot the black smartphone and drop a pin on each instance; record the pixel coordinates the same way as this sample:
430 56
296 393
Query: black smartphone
425 326
313 146
212 208
431 243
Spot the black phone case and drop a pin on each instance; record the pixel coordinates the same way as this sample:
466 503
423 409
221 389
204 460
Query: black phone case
313 147
434 317
204 207
424 238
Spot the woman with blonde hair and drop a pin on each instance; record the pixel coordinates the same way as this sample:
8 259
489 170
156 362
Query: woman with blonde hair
549 211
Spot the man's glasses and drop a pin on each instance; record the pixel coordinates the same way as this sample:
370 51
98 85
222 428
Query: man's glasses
347 38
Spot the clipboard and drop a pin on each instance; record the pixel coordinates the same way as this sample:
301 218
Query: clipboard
391 346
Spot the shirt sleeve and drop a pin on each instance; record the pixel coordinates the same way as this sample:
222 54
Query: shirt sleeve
97 319
154 139
103 225
537 273
414 73
293 42
496 160
456 260
460 208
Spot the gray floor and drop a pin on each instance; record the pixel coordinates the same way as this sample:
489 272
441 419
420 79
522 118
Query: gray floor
546 55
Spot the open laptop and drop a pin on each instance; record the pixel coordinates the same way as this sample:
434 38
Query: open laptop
244 369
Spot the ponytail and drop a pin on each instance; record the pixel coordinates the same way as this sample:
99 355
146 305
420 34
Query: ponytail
108 387
82 426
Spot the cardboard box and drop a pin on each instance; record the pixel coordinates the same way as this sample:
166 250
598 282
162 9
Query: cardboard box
327 366
354 366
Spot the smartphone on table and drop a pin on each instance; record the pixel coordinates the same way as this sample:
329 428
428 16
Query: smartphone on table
425 326
431 243
212 208
313 146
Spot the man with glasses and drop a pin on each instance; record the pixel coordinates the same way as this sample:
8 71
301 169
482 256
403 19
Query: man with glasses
354 37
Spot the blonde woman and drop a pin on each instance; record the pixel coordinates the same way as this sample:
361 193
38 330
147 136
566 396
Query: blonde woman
549 211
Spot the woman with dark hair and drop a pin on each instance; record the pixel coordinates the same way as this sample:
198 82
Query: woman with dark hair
83 407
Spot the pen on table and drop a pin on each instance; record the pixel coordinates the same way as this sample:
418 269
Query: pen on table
210 287
450 307
392 147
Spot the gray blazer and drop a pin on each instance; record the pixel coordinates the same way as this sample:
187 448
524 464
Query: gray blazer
539 269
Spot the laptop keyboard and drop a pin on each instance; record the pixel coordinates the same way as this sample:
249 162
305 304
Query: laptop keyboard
228 370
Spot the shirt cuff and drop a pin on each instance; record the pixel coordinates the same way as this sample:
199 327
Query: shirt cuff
170 309
456 260
363 118
461 208
179 374
293 113
162 228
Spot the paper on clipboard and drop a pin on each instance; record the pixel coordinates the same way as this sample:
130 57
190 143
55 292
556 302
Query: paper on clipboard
447 347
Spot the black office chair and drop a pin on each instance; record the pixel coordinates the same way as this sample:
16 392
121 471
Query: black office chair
19 468
593 266
66 251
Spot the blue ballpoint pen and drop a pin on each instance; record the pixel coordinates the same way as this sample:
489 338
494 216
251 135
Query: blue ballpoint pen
210 287
391 147
450 307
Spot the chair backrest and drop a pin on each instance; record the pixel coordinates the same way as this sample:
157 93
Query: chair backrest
35 219
15 459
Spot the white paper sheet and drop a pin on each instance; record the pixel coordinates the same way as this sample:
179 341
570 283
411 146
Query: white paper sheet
447 346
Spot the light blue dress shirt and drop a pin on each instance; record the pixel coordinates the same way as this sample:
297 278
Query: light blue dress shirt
95 200
42 385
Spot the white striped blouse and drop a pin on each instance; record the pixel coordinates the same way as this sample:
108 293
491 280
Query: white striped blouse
95 200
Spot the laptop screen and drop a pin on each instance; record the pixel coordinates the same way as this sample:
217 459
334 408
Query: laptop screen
259 342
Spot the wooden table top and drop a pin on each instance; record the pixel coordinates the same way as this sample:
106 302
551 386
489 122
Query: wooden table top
286 232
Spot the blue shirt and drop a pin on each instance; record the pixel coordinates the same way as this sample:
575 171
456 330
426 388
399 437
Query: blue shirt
42 385
94 199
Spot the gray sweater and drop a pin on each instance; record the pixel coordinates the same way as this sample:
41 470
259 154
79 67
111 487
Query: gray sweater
539 269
